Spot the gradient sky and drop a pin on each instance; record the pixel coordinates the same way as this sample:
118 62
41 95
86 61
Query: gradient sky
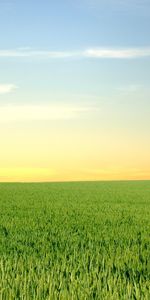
74 90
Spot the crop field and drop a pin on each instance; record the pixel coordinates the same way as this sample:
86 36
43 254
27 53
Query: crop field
83 240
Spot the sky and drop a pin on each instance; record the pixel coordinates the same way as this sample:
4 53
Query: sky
74 90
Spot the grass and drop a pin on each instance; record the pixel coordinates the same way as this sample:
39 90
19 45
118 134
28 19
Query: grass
88 240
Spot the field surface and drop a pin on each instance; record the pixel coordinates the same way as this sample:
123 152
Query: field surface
83 240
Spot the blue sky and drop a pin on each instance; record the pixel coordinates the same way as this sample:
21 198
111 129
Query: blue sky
68 24
83 65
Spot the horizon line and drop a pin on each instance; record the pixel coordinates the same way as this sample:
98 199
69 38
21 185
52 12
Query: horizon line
74 181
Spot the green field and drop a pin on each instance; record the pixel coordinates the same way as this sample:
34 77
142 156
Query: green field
83 240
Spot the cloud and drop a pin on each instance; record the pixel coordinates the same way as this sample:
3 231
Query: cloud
118 53
27 52
99 53
7 88
11 113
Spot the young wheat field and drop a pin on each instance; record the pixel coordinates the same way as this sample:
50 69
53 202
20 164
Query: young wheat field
81 240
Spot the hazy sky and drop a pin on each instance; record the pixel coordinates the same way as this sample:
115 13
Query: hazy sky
74 90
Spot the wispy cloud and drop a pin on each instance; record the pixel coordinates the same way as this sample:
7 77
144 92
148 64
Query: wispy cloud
11 113
7 88
99 53
27 52
118 53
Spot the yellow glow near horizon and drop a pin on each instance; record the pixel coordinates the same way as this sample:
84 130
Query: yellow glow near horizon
47 175
68 154
84 147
